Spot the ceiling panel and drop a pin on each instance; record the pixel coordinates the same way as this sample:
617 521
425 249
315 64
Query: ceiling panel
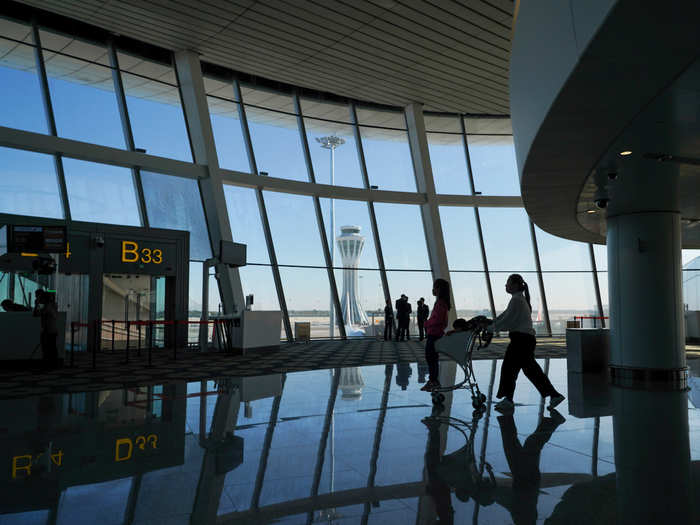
451 55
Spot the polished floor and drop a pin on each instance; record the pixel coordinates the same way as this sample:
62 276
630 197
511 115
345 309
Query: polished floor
351 445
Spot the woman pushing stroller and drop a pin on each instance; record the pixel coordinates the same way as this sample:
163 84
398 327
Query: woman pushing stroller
434 329
520 354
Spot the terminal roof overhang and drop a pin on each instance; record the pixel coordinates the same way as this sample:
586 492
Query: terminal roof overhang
626 78
450 56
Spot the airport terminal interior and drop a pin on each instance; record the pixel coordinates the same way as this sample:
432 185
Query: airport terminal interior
220 221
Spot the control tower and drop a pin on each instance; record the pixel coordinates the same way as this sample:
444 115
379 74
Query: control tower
350 244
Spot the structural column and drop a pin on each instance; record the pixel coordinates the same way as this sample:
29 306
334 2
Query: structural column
647 341
425 183
194 103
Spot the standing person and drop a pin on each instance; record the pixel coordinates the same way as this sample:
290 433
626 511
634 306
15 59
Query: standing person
45 307
520 354
435 328
399 309
388 320
406 319
422 317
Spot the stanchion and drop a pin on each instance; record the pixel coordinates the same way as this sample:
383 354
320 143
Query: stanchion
150 344
72 343
94 347
127 341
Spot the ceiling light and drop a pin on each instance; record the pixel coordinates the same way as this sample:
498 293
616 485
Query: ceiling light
591 211
625 153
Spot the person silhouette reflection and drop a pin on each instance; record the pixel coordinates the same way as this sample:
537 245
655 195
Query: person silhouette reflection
436 487
524 463
403 372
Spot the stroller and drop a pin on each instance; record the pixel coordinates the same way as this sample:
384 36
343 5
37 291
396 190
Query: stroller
459 347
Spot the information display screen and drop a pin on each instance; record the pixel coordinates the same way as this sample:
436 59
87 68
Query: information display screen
36 239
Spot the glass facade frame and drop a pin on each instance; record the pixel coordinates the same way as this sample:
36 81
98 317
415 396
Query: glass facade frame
393 119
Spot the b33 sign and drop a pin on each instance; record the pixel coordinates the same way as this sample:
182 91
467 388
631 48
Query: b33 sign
132 252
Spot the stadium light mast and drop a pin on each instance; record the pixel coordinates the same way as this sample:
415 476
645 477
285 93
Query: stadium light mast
331 142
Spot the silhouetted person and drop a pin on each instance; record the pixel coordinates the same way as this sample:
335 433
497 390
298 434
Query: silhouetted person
520 353
403 372
435 329
403 316
388 320
404 319
421 317
524 463
399 306
46 308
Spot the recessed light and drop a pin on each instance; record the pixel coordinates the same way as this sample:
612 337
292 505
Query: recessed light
591 211
625 153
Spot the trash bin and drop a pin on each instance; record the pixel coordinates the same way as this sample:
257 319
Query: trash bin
302 331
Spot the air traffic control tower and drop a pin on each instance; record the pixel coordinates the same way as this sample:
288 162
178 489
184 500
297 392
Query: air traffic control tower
350 244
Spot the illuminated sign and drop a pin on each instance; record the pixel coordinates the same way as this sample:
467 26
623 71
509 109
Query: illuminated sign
131 253
124 447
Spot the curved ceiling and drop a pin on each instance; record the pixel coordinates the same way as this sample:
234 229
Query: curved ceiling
450 55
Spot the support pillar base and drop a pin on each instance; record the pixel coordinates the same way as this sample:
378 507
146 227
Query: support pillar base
650 378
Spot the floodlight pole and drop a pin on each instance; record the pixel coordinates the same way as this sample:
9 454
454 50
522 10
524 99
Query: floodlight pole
331 142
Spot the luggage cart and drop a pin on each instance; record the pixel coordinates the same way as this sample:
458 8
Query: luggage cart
459 346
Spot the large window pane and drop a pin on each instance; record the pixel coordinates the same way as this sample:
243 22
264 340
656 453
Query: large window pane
600 251
228 135
350 213
82 90
258 280
155 109
569 295
276 144
470 294
507 239
493 164
101 193
401 234
449 163
461 238
22 106
294 229
381 118
558 254
346 166
175 203
244 216
388 159
28 184
263 98
308 297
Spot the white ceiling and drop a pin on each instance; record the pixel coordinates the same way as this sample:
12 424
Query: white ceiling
451 55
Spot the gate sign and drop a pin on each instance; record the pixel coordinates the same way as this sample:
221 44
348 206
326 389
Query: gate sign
135 255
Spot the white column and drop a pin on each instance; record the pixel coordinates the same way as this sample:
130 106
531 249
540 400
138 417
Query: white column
425 183
647 338
194 103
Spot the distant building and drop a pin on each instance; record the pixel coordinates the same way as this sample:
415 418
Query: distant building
350 244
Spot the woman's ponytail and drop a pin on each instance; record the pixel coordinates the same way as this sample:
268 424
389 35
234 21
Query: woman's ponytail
527 295
523 287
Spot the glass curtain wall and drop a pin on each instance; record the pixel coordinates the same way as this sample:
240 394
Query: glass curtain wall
85 102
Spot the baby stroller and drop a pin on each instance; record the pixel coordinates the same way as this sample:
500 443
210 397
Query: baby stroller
459 347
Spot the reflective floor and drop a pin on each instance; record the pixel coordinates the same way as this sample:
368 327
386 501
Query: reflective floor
352 445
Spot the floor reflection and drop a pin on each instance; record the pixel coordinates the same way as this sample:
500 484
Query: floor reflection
355 445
